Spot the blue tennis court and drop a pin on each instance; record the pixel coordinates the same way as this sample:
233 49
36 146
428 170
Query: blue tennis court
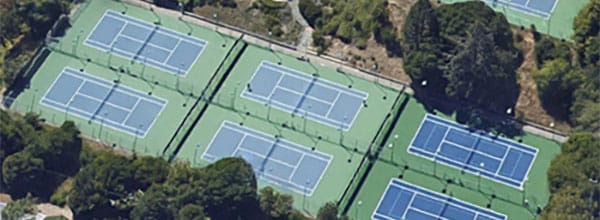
405 201
108 103
309 96
276 160
540 8
496 158
145 42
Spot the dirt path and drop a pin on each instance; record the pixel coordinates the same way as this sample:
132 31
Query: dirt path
529 106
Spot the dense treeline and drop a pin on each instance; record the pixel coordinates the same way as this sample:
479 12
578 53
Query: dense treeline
351 21
569 83
37 158
24 23
574 180
462 51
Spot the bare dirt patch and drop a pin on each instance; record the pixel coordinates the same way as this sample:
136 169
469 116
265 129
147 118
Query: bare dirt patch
374 53
246 17
529 105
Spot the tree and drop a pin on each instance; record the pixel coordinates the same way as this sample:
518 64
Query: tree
478 73
547 49
329 211
587 31
149 170
23 173
421 28
556 82
573 177
191 212
19 208
59 148
102 188
421 43
154 205
12 134
275 204
585 112
229 186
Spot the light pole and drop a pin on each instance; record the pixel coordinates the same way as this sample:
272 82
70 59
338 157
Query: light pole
216 17
391 147
359 203
269 40
196 153
481 165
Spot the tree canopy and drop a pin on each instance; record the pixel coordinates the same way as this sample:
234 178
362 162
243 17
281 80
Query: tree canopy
573 176
450 51
351 21
569 86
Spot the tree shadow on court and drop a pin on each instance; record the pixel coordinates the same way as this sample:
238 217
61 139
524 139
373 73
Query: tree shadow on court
493 119
23 78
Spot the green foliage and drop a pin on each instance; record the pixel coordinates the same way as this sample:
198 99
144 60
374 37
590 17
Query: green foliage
275 204
351 21
154 205
586 26
149 170
229 185
22 173
452 52
14 134
556 82
585 112
329 211
573 177
99 185
191 212
310 11
19 208
23 24
478 68
549 49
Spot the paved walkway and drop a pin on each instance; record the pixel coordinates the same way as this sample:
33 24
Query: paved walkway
305 39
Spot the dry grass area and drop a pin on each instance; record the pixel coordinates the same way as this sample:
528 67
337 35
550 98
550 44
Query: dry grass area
246 17
529 105
376 53
98 146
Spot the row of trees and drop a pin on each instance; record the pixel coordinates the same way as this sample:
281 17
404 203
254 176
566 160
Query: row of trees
462 51
568 82
37 158
574 178
351 21
24 23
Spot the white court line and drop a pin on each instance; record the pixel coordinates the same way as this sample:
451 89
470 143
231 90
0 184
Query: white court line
120 88
250 132
332 104
412 199
318 118
505 178
85 77
302 95
295 167
518 7
415 189
502 161
130 113
166 31
489 139
173 51
320 81
145 43
160 30
285 71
